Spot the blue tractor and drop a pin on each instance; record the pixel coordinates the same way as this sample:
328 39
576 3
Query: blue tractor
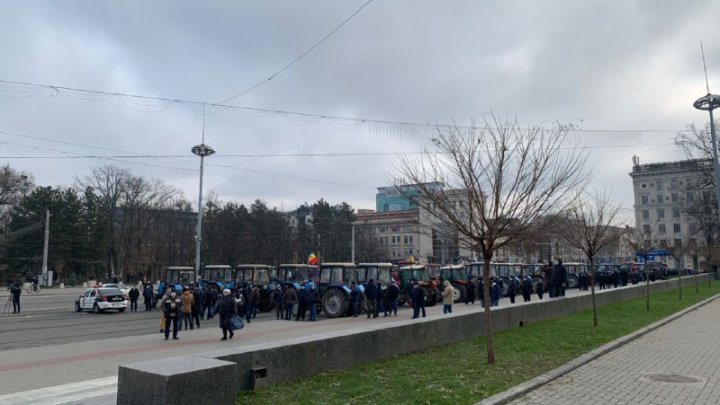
218 277
334 287
175 278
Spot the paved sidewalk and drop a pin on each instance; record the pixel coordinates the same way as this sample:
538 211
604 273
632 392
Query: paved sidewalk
678 363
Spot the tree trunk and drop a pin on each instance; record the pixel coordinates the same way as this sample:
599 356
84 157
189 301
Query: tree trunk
592 292
488 313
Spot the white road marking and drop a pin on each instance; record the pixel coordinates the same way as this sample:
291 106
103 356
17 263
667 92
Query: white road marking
60 394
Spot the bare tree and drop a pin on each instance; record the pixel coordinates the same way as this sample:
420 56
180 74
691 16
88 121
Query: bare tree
501 180
645 241
589 225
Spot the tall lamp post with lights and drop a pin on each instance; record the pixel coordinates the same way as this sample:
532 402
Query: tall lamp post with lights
709 103
201 150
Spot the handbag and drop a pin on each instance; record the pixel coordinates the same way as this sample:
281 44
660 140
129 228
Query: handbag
236 323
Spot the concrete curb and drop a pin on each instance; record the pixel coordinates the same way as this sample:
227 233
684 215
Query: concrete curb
522 389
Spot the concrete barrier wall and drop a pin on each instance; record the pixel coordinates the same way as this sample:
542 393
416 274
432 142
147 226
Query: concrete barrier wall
285 360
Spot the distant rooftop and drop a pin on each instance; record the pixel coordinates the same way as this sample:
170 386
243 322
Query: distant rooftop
692 164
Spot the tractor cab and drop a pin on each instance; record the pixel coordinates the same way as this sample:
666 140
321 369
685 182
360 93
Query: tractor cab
457 275
380 272
262 276
175 278
295 274
218 277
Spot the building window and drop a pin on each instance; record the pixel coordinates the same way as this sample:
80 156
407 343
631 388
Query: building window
676 228
659 185
660 198
676 212
706 195
693 228
646 229
643 185
395 229
661 213
663 243
382 229
674 197
688 182
408 239
646 215
689 197
673 184
661 229
643 199
678 243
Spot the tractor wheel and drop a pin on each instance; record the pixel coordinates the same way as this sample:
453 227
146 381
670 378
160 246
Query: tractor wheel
460 294
334 303
572 281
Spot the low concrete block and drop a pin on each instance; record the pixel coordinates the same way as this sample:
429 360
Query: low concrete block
176 380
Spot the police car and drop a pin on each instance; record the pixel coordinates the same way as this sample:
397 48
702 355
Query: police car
101 299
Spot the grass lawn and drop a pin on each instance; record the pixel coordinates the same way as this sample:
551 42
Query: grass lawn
459 373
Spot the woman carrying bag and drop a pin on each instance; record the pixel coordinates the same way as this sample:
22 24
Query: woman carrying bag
227 310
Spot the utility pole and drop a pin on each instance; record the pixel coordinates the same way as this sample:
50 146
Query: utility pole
45 280
352 252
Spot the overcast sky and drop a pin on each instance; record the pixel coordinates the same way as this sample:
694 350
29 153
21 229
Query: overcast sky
629 65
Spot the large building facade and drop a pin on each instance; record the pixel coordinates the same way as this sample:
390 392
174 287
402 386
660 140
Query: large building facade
672 201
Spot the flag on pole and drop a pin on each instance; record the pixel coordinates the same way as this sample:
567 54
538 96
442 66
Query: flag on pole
312 259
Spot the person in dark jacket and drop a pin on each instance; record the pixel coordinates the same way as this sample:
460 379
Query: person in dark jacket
147 296
210 300
513 287
134 294
380 301
15 291
312 297
279 301
354 299
540 288
370 299
254 301
495 292
199 295
470 291
392 293
171 308
290 298
195 307
227 308
526 288
302 304
418 297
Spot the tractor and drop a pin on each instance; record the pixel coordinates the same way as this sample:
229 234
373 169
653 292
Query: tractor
383 273
419 273
335 279
218 277
262 276
458 277
295 275
175 278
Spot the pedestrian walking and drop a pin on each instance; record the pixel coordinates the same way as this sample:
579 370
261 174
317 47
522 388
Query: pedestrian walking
370 299
418 297
197 299
392 294
15 291
447 295
312 298
187 302
147 296
526 288
290 298
227 308
171 308
199 295
380 301
540 288
210 301
279 301
547 275
133 294
481 292
253 300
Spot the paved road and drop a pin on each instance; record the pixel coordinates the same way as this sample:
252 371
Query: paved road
674 364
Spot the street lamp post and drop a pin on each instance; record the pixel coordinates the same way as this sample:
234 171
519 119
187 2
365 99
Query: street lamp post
709 103
201 150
